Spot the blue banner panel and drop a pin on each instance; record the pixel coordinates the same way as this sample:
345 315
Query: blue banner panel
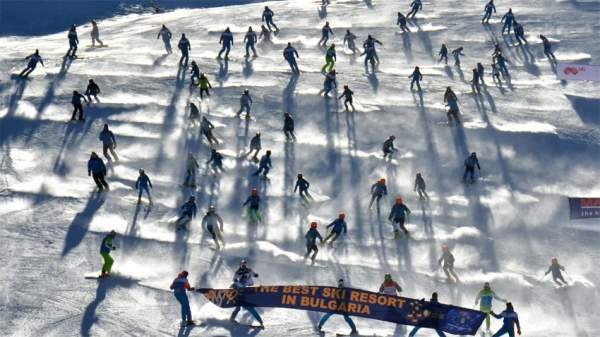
584 208
355 302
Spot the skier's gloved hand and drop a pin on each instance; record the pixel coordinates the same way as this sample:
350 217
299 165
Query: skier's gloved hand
255 275
192 289
519 332
114 248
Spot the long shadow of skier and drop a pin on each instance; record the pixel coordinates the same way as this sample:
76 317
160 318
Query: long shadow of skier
288 99
170 115
424 37
289 170
247 67
407 47
14 99
80 224
223 74
332 128
104 287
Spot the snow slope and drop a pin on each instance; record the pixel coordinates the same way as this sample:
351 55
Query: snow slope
538 141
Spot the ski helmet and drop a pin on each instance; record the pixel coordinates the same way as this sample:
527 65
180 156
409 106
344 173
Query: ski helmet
387 277
382 181
554 259
184 274
444 247
341 282
342 216
486 285
398 200
211 208
113 233
268 152
243 263
299 175
141 171
192 198
254 191
313 224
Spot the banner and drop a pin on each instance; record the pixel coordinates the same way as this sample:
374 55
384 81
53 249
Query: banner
584 208
355 302
581 72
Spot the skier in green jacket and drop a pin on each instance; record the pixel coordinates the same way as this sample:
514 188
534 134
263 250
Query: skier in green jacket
484 299
105 248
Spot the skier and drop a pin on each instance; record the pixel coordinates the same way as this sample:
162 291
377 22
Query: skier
303 185
475 81
179 287
109 143
519 33
185 47
226 41
195 72
389 286
206 128
216 158
341 290
378 191
33 61
214 225
470 163
142 184
97 170
73 42
330 59
370 43
398 215
415 6
267 17
290 54
433 315
325 31
243 278
253 203
204 85
416 78
508 19
447 264
497 51
194 114
402 22
555 268
347 94
95 34
496 73
166 35
77 106
452 101
250 39
487 295
489 8
547 48
349 39
191 169
338 226
370 57
188 212
245 104
92 90
501 62
510 319
255 145
311 242
329 83
265 165
388 147
288 127
457 53
481 72
105 247
265 34
443 54
420 187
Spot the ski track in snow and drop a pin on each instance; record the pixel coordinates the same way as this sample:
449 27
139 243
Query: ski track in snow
537 139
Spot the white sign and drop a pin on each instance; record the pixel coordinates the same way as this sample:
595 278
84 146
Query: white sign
580 72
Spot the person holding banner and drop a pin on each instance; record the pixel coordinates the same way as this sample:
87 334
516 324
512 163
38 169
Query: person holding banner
243 278
179 287
510 318
433 315
346 316
389 286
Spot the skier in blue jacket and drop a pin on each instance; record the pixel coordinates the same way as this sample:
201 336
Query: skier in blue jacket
188 212
508 20
97 170
142 184
185 47
77 106
457 53
401 21
415 6
547 48
265 165
325 318
329 83
398 215
216 158
470 163
325 32
166 35
416 78
510 319
179 286
489 8
519 33
378 191
443 54
33 61
109 143
226 41
290 54
250 38
92 90
267 17
311 241
555 268
245 104
348 95
255 146
302 184
338 226
73 42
